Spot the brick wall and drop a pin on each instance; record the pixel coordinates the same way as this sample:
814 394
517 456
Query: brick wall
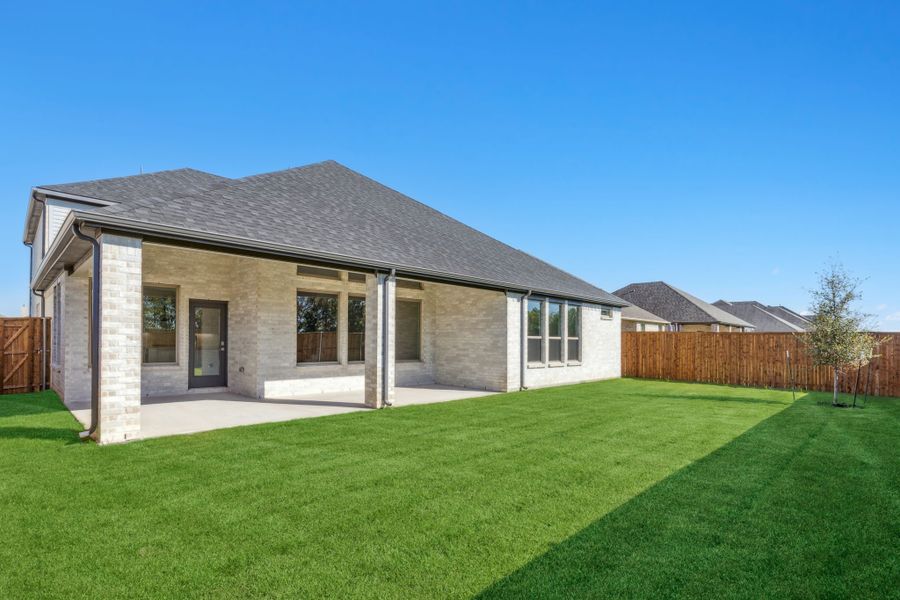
601 344
470 342
120 341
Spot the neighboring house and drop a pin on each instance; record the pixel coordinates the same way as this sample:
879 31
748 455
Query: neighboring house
307 280
801 321
635 318
684 311
764 318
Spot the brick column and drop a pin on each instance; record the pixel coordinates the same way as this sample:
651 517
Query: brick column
377 368
120 339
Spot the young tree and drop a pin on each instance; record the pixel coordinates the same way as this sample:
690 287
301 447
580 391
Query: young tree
837 338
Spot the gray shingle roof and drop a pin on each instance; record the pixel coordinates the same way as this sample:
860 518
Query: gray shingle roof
790 316
674 305
760 315
162 184
326 208
636 313
757 315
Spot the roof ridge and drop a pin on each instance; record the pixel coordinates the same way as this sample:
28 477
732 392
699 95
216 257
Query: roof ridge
297 168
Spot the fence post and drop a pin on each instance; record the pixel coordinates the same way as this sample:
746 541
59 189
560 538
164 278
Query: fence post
2 355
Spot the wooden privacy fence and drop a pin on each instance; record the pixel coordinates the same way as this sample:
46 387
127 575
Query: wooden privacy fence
751 359
22 345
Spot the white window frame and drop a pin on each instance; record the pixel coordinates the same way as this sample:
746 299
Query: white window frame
577 336
561 338
350 298
542 332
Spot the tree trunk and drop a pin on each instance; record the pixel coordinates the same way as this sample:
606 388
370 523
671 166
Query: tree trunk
834 399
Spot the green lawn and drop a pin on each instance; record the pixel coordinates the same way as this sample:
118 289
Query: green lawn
621 488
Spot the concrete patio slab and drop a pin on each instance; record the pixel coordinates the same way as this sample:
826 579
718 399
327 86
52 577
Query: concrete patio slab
192 413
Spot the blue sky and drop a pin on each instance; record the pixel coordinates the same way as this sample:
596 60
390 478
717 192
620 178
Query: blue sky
727 148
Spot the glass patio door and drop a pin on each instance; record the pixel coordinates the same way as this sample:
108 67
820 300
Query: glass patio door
208 363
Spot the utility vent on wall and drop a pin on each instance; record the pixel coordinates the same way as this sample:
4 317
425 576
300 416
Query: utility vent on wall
318 272
409 285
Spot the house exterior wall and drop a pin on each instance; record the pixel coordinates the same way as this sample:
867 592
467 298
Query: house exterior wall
601 349
262 312
70 375
203 276
470 341
76 331
629 325
470 337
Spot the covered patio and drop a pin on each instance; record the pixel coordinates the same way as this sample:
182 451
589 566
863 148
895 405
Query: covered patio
195 412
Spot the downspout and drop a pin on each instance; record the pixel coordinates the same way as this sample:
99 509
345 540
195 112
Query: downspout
385 331
95 329
524 342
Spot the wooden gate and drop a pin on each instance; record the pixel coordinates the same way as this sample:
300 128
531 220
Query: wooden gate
22 344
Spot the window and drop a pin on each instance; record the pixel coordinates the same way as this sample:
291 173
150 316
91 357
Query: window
643 327
316 327
356 329
535 331
407 345
554 332
573 331
318 272
158 336
606 313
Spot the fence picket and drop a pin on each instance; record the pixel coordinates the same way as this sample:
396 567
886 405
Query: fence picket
751 359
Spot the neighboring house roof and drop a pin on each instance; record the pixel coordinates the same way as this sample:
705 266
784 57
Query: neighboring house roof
328 212
161 184
790 316
636 313
757 314
676 306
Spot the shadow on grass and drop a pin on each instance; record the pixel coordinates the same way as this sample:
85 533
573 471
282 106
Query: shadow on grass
17 412
55 434
759 517
711 397
18 405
